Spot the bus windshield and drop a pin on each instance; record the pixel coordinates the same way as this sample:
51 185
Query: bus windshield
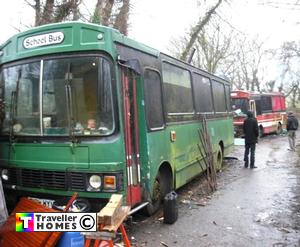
57 97
240 104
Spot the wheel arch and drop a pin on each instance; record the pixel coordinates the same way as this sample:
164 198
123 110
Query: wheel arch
261 130
166 171
221 144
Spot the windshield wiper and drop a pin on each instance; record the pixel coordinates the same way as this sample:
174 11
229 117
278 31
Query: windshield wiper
69 99
13 109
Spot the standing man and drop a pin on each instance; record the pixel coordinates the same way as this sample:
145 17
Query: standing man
292 126
250 128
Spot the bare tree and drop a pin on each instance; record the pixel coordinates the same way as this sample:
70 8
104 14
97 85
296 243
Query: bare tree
213 47
112 13
51 11
293 5
289 54
197 28
214 50
248 72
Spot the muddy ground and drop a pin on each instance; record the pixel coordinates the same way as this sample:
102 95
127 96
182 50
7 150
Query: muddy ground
251 207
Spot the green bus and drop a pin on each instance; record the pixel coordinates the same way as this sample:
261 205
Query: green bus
86 109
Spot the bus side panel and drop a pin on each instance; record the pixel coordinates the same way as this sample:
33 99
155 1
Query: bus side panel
221 132
184 151
158 152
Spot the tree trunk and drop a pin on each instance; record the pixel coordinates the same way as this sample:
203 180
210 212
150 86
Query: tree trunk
105 12
48 11
196 30
37 8
121 22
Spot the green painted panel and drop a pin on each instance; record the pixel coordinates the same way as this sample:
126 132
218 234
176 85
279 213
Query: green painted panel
50 156
90 36
99 195
182 154
78 36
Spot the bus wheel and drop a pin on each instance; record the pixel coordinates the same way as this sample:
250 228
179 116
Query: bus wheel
261 132
279 129
219 158
159 191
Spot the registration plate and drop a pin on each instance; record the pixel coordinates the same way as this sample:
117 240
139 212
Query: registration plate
46 202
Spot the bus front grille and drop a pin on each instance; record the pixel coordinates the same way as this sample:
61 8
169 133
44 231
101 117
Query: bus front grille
77 181
41 179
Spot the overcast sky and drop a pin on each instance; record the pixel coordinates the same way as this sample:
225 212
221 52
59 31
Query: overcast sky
156 22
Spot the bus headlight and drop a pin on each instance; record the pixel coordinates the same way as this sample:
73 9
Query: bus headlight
4 174
109 182
17 128
95 181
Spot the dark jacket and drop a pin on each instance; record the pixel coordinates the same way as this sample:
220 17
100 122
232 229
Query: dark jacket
250 128
292 123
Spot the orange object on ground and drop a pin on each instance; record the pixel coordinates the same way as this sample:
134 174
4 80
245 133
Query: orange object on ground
10 238
104 237
107 243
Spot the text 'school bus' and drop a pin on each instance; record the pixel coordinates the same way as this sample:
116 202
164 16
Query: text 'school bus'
87 109
268 108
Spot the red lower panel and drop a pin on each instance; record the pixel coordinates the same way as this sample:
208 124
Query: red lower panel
134 195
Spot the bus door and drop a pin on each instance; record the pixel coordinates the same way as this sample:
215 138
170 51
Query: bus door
253 107
131 135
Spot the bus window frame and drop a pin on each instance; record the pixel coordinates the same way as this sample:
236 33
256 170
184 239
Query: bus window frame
227 97
252 106
224 93
161 98
194 96
114 102
178 114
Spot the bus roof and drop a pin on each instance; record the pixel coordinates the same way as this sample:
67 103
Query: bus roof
73 36
248 94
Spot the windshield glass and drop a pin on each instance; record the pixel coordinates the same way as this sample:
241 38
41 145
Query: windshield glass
240 104
67 96
21 98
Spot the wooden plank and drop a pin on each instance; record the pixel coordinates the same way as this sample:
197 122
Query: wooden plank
115 201
108 214
118 220
104 235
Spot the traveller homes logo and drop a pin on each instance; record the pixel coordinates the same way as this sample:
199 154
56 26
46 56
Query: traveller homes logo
24 222
56 222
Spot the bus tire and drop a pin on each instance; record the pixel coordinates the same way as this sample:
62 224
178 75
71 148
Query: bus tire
261 132
219 158
159 191
279 129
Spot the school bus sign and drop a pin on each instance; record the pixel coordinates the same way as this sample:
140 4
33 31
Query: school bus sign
43 39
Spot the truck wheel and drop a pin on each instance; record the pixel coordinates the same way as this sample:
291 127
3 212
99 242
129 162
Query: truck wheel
279 129
260 132
219 158
156 199
159 191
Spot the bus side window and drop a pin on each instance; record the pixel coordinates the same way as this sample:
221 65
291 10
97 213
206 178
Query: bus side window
258 106
219 96
252 107
202 93
227 95
178 96
266 104
153 99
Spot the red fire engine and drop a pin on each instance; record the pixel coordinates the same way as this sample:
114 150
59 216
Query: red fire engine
268 108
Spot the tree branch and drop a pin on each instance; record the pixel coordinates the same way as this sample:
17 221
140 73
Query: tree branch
196 30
